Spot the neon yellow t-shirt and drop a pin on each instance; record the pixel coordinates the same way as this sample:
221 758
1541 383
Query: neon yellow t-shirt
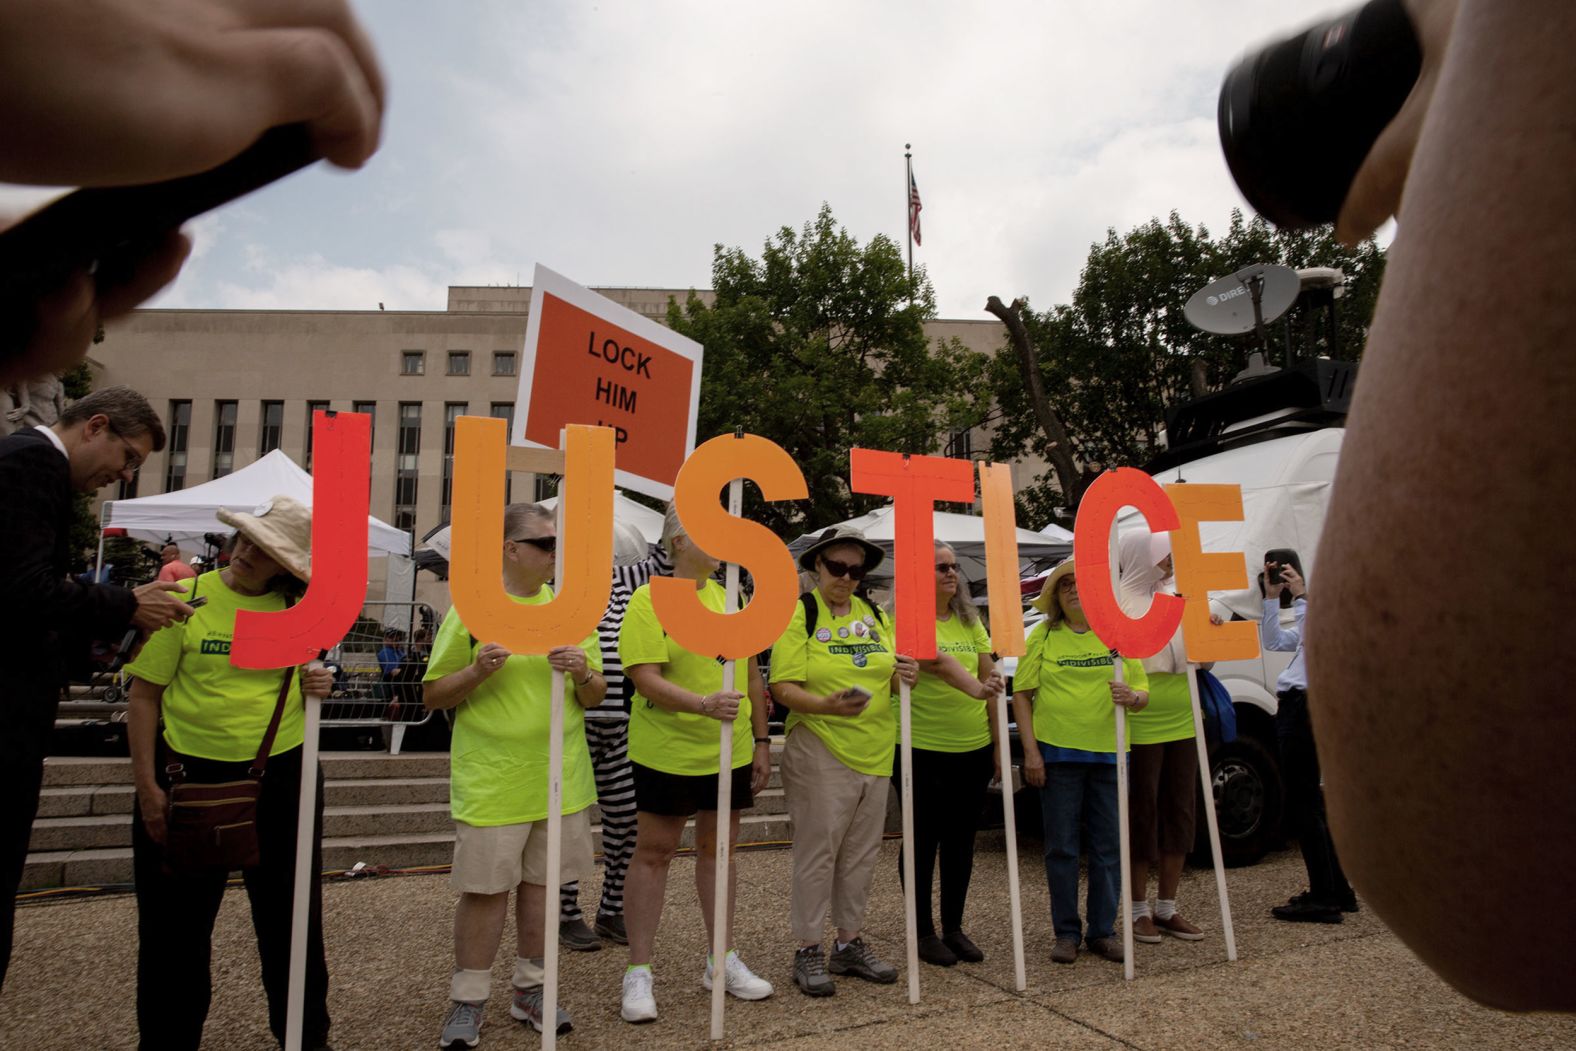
852 650
212 709
499 753
1169 714
1070 673
947 719
679 742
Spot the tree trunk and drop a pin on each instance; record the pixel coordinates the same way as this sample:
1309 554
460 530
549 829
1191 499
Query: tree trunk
1198 378
1058 448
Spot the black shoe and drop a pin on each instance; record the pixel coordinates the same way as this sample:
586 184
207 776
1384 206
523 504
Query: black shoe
934 951
965 949
611 926
577 937
1348 901
1307 909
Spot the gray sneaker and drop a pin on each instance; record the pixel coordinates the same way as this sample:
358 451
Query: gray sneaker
577 937
463 1027
527 1007
809 972
859 960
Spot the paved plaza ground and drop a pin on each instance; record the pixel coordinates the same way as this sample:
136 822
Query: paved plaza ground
1295 986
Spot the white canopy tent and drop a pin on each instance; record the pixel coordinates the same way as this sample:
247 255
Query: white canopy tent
187 514
646 521
965 534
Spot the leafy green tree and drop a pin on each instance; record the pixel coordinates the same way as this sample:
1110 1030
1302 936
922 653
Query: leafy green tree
1111 362
819 344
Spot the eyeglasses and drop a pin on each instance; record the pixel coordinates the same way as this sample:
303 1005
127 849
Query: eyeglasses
549 544
948 567
854 571
133 458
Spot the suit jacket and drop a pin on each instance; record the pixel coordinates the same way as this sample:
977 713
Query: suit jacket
40 607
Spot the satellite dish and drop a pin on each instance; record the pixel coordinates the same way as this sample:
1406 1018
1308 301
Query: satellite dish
1253 296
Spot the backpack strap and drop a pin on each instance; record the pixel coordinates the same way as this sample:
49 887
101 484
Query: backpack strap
812 612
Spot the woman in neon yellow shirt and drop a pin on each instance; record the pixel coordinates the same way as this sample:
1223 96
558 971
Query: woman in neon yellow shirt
836 678
954 725
674 749
1065 689
215 719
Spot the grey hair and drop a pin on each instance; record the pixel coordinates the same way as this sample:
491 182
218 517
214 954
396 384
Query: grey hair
671 527
961 604
129 414
517 515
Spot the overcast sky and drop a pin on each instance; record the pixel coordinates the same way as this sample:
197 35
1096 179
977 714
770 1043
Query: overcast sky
618 142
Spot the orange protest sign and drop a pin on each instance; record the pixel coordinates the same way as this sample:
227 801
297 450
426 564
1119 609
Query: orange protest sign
590 361
729 539
1001 559
1112 491
476 540
1199 572
914 483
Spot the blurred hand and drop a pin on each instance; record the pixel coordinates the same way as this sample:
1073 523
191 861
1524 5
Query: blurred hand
1127 697
846 703
1294 582
157 608
134 91
316 680
907 669
1376 190
1033 765
991 687
571 660
761 768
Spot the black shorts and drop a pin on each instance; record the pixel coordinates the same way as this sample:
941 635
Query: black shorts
681 795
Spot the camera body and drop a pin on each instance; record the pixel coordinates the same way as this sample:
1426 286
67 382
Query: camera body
1278 559
1297 117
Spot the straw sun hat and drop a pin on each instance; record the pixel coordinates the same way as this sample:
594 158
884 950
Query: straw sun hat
282 527
1048 589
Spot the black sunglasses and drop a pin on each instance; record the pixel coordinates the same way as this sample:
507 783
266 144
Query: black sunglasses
854 571
948 567
548 544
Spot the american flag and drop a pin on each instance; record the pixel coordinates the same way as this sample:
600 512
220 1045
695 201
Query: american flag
913 209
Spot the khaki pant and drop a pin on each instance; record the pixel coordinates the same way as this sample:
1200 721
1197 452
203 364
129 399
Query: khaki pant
838 816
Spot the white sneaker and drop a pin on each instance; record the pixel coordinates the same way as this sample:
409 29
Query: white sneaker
639 1004
740 980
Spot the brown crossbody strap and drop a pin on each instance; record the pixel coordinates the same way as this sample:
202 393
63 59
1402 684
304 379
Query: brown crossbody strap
256 769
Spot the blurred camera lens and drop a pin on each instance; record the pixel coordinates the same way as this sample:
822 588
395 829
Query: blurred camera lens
1298 116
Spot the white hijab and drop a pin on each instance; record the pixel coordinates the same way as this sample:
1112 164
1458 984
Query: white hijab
1138 557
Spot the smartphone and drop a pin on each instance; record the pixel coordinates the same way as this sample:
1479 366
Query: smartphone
199 602
859 692
108 230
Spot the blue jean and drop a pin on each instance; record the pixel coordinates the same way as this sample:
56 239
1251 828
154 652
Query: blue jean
1080 799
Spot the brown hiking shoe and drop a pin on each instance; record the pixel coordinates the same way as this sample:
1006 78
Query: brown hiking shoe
1065 950
1177 927
1144 931
1108 949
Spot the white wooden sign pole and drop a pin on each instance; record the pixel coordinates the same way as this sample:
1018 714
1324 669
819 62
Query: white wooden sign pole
906 761
1206 778
1126 848
555 817
720 932
306 835
1010 825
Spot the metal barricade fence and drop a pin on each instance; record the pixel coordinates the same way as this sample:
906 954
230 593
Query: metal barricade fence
378 669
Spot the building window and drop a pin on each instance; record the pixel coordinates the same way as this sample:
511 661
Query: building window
371 409
179 429
406 466
312 409
452 411
273 427
504 362
961 445
459 363
223 438
504 410
413 363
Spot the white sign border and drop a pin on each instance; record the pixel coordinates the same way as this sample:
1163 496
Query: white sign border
543 281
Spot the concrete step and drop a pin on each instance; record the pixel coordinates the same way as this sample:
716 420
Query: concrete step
100 866
71 771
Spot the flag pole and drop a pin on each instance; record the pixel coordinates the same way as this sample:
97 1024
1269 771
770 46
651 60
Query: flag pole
908 211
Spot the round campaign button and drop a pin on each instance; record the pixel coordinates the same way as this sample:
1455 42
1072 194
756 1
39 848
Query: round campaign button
860 660
842 632
823 634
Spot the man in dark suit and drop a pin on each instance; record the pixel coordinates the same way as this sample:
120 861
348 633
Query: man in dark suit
103 437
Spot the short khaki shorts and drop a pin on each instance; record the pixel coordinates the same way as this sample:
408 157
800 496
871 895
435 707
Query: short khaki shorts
494 859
